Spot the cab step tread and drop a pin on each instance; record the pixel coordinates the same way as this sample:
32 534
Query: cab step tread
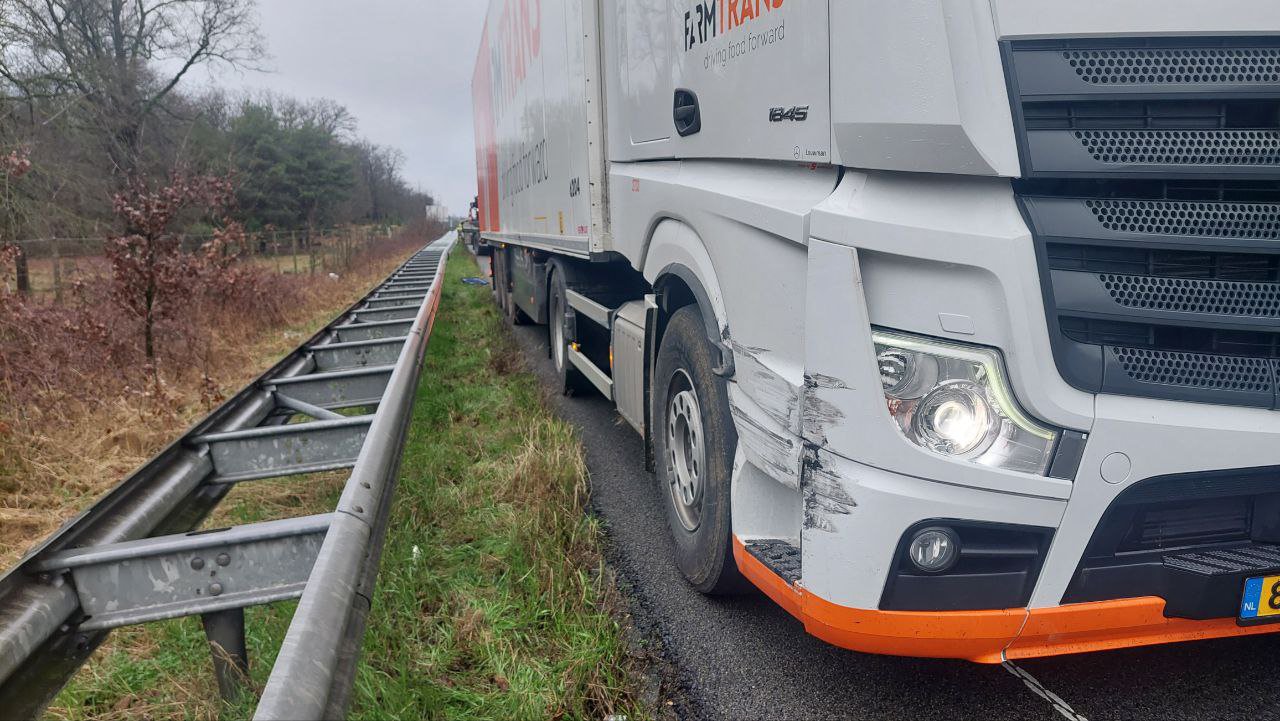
778 556
1255 557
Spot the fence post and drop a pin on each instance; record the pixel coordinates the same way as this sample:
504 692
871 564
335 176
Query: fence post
21 273
57 270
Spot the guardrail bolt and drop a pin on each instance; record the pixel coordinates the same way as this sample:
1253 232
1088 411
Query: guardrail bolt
215 589
197 563
224 559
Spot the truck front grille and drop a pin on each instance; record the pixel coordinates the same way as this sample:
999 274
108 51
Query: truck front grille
1176 66
1152 188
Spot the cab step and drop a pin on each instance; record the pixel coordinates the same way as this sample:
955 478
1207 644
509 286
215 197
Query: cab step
1253 558
781 557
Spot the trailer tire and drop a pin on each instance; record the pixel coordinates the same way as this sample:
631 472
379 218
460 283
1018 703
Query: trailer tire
515 316
503 282
694 446
500 280
572 382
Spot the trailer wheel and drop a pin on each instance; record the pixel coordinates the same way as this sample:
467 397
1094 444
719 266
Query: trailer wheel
515 316
510 308
500 282
694 446
572 382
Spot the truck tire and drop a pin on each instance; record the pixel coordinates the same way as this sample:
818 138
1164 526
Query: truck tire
510 308
694 445
572 382
500 281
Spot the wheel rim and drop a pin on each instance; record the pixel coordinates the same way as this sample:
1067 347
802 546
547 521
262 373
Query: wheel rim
686 455
557 330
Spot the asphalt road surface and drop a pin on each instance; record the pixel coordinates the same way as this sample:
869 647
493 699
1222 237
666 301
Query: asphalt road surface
747 659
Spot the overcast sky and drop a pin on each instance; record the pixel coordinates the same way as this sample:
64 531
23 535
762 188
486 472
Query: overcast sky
402 67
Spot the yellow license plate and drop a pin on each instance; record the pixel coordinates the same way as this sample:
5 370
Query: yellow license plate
1261 599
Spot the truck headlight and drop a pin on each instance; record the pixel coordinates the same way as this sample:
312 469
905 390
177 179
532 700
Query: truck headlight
954 400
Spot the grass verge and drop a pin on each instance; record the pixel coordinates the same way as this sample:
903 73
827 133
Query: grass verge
493 600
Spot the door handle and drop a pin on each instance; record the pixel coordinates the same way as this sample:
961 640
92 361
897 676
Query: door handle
688 115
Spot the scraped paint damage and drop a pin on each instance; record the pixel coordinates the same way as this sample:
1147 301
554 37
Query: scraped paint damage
825 496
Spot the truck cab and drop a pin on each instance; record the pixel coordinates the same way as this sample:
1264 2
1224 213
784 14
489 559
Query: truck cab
953 326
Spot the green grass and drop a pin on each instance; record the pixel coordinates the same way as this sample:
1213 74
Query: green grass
493 601
503 609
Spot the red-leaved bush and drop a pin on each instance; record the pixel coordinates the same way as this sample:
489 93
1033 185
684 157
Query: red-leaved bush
151 274
208 307
81 403
16 164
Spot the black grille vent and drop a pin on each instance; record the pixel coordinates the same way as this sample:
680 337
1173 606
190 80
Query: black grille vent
1182 147
1189 264
1196 370
1180 525
1194 191
1195 296
1153 115
1256 221
1209 341
1145 66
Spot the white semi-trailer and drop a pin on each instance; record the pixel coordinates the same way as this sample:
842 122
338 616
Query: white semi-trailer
953 325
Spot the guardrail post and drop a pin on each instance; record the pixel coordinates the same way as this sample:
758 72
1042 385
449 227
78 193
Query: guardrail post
225 631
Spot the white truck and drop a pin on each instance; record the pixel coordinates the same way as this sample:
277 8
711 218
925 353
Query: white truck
952 325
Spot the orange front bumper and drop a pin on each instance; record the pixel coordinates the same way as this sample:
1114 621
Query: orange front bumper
987 636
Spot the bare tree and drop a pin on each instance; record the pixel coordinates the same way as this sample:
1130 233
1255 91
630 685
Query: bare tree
120 59
380 169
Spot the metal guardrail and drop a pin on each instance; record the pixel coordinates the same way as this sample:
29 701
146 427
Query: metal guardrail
133 558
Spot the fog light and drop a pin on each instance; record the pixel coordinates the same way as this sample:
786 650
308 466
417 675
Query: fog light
934 550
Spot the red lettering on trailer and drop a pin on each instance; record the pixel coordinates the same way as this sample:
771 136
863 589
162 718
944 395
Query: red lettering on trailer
517 44
486 138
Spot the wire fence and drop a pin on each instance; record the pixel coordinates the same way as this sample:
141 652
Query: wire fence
44 267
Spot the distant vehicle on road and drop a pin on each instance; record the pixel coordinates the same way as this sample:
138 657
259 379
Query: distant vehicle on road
953 326
469 232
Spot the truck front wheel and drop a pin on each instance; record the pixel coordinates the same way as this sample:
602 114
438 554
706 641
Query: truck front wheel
694 446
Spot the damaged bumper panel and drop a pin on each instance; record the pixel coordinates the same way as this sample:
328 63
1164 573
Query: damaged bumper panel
854 589
986 636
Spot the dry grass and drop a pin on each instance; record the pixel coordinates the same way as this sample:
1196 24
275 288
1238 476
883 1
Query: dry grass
493 600
60 450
